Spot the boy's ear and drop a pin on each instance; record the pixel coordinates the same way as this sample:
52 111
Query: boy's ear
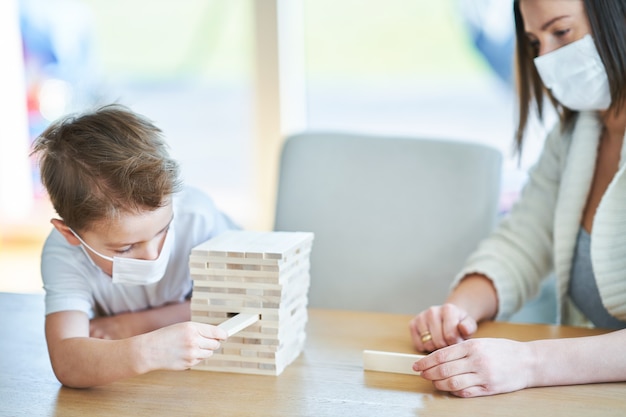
65 231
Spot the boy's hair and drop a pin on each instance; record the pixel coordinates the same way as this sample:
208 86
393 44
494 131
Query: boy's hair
100 164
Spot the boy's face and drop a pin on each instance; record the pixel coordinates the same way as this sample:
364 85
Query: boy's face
132 235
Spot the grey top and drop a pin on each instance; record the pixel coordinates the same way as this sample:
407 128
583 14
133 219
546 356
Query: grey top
583 289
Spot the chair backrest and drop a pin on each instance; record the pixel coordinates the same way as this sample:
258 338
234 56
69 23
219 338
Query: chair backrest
394 218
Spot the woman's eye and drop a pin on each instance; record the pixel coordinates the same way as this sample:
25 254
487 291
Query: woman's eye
534 45
561 33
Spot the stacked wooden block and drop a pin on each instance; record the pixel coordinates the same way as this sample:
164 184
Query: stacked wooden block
265 273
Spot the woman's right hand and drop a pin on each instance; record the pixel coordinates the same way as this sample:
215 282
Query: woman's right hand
180 346
441 326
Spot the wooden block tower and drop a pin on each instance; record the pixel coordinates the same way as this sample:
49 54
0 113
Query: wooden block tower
265 273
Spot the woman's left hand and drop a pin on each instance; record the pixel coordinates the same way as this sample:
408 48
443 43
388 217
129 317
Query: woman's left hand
479 367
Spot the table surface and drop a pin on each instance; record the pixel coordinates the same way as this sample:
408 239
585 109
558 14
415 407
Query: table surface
327 379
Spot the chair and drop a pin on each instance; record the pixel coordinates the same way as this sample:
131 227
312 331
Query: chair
394 218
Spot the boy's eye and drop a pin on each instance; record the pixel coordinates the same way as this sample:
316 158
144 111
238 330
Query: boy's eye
123 251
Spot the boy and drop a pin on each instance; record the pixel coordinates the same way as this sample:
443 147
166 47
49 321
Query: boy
115 266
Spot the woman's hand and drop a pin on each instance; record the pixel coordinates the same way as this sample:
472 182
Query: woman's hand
479 367
441 326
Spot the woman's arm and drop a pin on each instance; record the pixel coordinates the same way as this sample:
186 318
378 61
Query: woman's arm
473 300
519 254
476 295
583 360
492 366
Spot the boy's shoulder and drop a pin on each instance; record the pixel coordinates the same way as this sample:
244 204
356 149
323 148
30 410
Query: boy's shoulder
59 258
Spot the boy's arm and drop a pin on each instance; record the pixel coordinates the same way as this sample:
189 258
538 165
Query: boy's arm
132 324
80 361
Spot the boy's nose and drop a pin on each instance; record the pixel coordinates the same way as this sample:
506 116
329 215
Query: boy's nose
152 249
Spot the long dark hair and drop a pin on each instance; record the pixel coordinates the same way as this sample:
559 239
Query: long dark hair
608 29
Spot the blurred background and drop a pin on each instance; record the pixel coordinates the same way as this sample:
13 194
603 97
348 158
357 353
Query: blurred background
226 80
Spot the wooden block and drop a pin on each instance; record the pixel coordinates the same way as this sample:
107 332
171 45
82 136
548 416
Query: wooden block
238 272
203 261
241 359
271 314
199 283
283 276
215 366
238 322
237 342
399 363
262 245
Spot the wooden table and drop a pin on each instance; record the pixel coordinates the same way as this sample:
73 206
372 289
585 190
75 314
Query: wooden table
326 380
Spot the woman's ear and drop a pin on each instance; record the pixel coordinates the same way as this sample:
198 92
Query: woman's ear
65 231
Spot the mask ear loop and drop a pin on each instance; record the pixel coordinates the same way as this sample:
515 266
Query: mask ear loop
108 258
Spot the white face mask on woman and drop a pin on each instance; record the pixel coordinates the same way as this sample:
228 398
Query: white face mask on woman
131 271
575 75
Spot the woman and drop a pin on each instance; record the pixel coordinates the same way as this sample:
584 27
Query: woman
571 218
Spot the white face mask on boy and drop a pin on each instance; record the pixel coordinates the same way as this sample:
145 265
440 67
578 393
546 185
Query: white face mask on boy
129 271
575 75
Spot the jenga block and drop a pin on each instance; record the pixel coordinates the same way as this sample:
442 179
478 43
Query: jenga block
401 363
263 245
203 261
238 323
199 283
262 276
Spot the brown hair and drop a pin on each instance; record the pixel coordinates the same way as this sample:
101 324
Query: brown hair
608 29
100 164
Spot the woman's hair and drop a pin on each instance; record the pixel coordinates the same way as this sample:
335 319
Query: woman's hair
100 164
608 29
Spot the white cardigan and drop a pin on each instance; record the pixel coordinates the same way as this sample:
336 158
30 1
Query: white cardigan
539 235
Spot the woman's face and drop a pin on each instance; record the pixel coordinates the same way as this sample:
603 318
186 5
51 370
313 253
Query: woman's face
554 23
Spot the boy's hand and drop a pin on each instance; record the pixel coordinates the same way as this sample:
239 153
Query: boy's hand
181 346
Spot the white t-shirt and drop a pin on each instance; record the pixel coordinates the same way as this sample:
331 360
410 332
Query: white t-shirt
73 282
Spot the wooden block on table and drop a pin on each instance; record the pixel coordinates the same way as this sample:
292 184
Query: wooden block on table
200 262
216 366
399 363
201 283
238 323
253 244
204 277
